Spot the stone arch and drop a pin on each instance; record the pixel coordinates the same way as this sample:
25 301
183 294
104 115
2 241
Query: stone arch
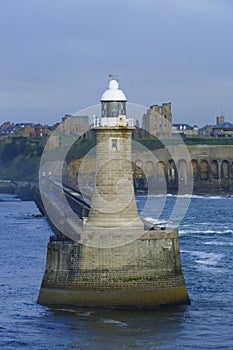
204 170
138 168
182 171
195 168
150 176
161 168
149 169
214 171
225 169
140 183
171 171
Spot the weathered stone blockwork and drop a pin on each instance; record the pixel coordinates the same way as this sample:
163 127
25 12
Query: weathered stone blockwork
146 273
113 201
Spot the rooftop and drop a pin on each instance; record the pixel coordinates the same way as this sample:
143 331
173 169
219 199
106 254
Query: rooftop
225 126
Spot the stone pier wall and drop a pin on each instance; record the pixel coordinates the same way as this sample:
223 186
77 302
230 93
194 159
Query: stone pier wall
146 273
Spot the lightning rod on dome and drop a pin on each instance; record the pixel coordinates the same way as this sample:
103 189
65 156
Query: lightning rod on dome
114 76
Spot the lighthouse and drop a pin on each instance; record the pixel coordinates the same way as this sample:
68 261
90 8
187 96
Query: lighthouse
113 214
116 263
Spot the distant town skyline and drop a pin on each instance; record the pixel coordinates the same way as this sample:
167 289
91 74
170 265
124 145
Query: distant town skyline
56 57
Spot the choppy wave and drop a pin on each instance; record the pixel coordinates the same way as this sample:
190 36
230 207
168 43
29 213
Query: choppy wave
118 323
188 196
4 197
218 243
205 232
206 252
205 258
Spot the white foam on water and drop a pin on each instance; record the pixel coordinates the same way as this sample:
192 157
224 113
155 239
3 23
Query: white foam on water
183 232
216 243
210 259
86 314
118 323
198 231
205 232
204 258
66 310
159 195
205 223
213 197
227 231
208 231
210 269
196 196
209 262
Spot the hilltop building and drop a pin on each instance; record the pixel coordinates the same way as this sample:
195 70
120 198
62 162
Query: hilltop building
157 121
185 130
205 131
220 129
76 125
28 130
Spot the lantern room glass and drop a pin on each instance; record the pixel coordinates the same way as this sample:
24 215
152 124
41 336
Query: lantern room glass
113 108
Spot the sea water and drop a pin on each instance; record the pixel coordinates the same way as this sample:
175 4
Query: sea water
206 243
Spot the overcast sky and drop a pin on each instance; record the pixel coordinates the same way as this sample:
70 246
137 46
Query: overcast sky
55 56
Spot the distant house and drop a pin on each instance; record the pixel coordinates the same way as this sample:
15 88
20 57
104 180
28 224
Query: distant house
41 130
206 131
24 129
28 130
184 129
8 131
6 125
223 130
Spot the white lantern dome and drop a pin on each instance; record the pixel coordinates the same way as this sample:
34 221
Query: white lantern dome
113 93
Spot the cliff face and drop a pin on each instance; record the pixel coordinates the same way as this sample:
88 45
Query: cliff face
19 161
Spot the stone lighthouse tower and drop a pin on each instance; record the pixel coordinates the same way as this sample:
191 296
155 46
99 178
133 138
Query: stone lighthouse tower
115 262
113 214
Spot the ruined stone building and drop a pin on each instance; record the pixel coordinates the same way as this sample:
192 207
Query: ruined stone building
157 120
75 124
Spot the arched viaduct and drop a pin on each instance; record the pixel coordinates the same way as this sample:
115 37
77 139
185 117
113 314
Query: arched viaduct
209 167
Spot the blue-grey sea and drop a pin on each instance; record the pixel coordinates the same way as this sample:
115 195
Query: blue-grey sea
206 242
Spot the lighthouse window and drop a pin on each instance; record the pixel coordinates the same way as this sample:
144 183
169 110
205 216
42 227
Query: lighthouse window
114 143
113 109
122 108
104 109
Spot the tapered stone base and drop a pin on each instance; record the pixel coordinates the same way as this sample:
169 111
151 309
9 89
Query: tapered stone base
144 274
115 300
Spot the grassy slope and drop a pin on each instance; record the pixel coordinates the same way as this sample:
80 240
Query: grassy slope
19 162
